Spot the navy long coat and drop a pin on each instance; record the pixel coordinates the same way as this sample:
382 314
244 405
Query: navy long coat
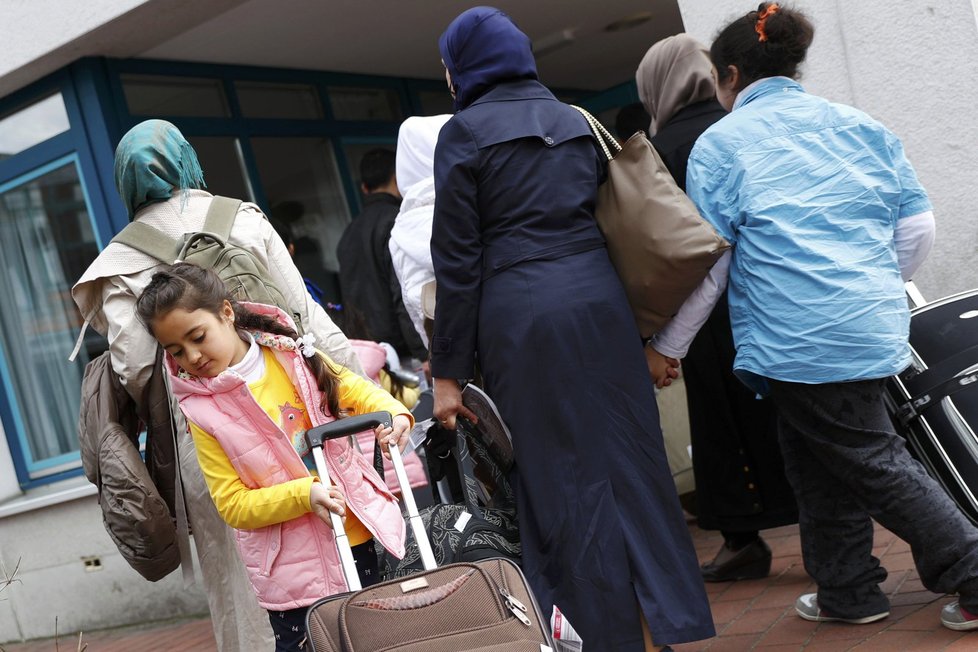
526 286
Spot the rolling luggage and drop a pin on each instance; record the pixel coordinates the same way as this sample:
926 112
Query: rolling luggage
464 531
484 606
934 402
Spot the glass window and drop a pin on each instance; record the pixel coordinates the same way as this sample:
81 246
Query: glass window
46 242
304 190
189 96
436 102
365 104
289 101
32 125
224 171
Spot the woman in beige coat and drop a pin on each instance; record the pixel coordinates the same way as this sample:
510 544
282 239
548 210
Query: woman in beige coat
159 180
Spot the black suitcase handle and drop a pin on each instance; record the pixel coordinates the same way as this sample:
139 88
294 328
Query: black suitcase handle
917 404
348 426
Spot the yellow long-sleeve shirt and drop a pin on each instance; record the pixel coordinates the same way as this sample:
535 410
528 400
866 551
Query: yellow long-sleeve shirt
247 509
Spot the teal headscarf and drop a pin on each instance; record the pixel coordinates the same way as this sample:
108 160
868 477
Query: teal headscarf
152 160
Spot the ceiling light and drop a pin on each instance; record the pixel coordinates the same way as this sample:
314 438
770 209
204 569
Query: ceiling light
551 42
629 22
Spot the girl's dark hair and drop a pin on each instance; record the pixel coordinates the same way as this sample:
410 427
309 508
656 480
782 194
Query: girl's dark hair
773 48
192 287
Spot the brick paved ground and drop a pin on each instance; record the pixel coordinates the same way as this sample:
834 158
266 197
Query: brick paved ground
754 615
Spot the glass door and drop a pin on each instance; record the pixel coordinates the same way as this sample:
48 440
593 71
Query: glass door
304 190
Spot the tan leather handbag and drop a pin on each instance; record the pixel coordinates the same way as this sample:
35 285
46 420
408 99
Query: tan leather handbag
659 244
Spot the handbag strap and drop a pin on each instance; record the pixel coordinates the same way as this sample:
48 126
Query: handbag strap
602 135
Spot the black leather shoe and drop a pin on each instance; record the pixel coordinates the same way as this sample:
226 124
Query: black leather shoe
749 563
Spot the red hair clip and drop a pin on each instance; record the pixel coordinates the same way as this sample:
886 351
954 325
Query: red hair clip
769 11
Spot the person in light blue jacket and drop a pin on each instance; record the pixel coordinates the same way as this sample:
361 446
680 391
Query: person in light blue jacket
827 219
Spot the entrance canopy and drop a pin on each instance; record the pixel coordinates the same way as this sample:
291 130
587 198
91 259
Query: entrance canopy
579 43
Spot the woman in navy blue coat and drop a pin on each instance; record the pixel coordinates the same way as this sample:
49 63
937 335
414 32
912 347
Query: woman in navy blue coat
526 287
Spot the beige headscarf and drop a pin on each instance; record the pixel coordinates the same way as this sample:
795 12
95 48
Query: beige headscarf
673 74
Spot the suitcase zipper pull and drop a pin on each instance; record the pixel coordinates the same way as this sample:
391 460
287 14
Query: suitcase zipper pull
512 599
515 606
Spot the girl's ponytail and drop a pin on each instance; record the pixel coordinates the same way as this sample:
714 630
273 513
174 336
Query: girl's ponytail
326 377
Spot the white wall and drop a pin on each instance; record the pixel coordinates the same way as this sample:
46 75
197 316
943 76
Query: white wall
45 25
51 545
8 477
914 67
41 36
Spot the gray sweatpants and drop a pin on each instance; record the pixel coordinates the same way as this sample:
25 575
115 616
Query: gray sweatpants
847 466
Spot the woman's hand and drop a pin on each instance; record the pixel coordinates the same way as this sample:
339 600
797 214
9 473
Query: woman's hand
663 368
324 500
448 403
397 434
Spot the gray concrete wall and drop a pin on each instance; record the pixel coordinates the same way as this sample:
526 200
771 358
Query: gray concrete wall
914 67
51 546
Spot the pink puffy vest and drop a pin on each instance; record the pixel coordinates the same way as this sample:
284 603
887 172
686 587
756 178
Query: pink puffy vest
295 563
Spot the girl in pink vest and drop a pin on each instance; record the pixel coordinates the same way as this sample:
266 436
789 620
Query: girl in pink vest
250 388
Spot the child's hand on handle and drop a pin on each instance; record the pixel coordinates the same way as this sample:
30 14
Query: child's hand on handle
324 500
448 403
663 368
397 434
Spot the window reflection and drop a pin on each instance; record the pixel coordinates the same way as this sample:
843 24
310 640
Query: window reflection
303 187
176 96
32 125
436 102
46 241
267 100
365 104
224 171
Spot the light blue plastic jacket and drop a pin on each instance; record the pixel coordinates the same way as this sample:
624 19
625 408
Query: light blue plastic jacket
809 193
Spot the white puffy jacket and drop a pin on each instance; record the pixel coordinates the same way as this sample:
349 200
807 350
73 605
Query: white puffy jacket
410 246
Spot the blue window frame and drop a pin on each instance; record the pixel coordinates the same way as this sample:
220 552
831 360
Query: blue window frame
50 192
40 396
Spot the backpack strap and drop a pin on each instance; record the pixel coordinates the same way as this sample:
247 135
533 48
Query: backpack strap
149 240
220 216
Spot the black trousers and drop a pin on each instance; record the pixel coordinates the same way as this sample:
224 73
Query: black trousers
289 626
847 466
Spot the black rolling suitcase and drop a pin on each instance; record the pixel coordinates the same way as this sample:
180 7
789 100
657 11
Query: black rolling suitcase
934 402
482 606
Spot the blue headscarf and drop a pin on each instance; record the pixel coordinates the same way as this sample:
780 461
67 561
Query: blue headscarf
481 48
152 160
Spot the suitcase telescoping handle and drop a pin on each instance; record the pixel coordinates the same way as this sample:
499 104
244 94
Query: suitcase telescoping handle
315 438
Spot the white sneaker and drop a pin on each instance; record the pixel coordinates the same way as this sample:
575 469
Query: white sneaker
807 607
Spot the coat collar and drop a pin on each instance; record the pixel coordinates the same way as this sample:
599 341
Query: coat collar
380 198
526 89
766 86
